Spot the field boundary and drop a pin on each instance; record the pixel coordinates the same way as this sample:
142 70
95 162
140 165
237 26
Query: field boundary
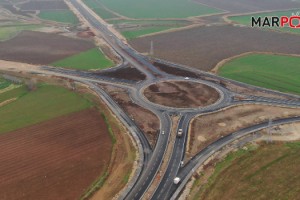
216 69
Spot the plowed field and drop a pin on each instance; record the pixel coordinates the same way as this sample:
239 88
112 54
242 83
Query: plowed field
57 159
204 47
41 48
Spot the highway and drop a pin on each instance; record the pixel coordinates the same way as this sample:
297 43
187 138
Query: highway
151 158
186 172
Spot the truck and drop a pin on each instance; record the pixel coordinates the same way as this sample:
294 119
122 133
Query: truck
179 134
176 180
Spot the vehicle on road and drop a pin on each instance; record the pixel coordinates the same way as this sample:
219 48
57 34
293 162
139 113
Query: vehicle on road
176 180
179 133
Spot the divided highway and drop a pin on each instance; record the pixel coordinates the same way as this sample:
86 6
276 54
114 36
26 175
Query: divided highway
151 158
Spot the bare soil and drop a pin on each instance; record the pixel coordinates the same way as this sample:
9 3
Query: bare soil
41 48
243 6
181 94
13 10
145 119
175 71
44 5
206 46
125 73
208 128
286 132
57 159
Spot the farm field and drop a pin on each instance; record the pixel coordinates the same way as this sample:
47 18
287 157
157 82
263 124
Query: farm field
246 19
45 103
144 9
4 83
207 46
263 173
91 59
44 5
98 8
59 162
135 28
144 31
41 48
243 6
7 32
64 16
276 72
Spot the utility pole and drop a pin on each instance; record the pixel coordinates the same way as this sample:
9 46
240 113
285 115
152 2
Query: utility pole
269 131
151 48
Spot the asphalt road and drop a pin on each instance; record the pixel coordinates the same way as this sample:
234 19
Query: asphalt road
152 158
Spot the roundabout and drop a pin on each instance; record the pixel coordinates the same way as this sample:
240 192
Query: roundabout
184 95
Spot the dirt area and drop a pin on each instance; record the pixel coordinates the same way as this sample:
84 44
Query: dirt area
208 128
41 48
286 132
181 94
175 71
208 45
145 119
242 6
250 91
125 73
57 159
44 5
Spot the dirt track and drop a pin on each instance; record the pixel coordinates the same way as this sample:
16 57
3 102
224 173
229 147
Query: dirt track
41 48
204 47
57 159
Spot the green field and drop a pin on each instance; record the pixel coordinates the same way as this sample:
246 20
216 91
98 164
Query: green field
47 102
269 172
157 8
246 19
4 83
98 8
270 71
64 16
91 59
145 27
7 32
144 31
